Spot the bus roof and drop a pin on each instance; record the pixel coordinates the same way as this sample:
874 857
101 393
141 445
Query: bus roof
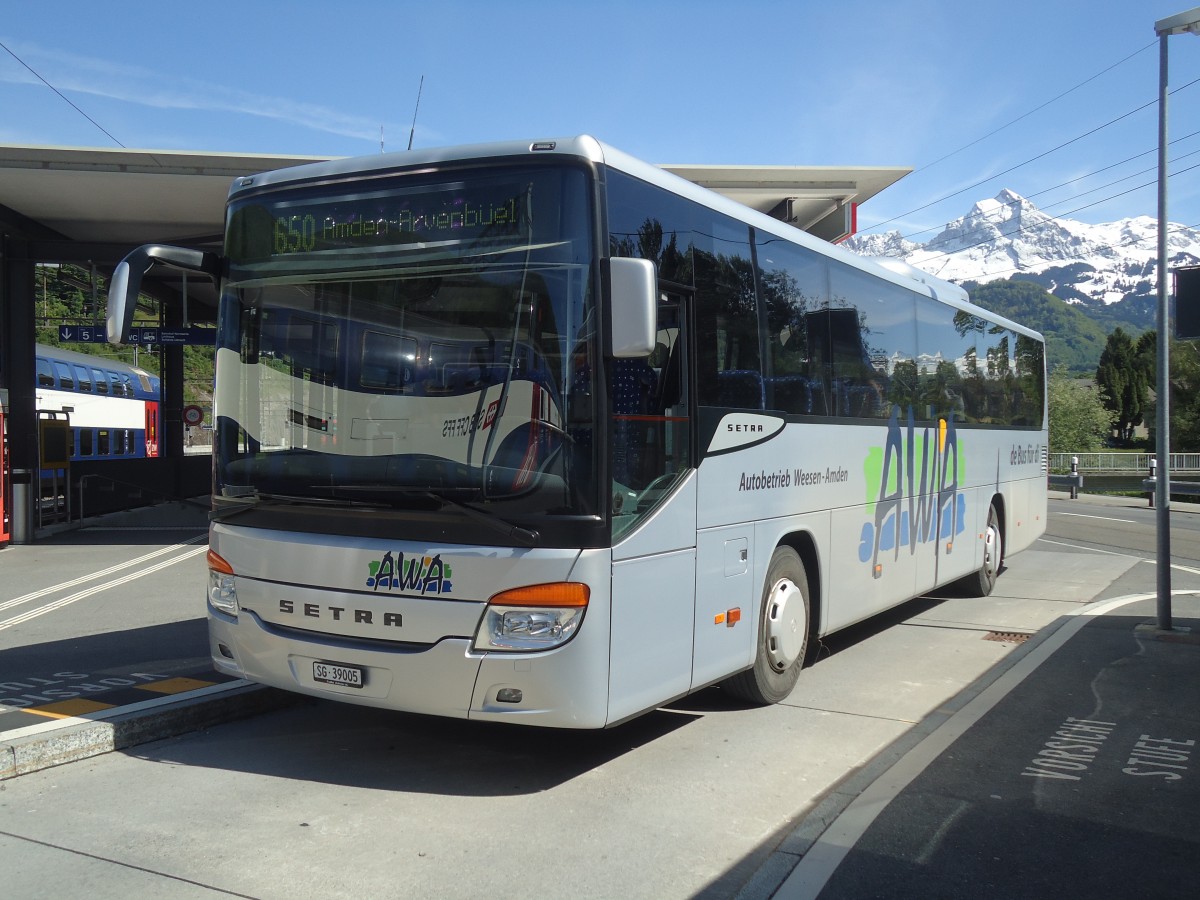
589 149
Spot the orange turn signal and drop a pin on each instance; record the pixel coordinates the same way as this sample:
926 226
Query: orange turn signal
217 564
559 593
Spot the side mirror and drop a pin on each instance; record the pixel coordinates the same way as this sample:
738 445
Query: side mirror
632 307
126 281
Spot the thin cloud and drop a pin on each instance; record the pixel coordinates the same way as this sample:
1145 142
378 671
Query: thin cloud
142 87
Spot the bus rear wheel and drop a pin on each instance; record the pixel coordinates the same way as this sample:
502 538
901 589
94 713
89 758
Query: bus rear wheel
782 633
981 582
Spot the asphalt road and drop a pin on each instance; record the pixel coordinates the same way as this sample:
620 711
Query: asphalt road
100 617
1124 526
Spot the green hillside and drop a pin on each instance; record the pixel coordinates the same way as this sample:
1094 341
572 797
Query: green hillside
1073 339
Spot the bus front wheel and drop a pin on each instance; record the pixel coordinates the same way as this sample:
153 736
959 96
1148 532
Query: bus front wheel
782 633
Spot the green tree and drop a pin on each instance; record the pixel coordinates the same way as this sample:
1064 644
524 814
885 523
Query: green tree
1079 421
1184 412
1123 378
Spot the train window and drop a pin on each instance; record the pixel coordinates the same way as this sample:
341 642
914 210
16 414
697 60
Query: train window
103 443
128 385
388 361
85 442
45 373
84 379
66 381
115 380
101 381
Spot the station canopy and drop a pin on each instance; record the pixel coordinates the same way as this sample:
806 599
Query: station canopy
82 204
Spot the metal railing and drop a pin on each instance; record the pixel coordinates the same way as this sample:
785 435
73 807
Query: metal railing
1121 462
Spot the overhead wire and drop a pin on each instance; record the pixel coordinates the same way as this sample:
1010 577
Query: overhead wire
1026 115
992 177
1091 174
1129 243
38 76
1017 231
1020 165
1006 234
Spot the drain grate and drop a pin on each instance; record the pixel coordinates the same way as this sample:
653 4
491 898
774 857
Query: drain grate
1007 637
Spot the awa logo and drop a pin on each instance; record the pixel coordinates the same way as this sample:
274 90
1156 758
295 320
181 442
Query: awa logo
422 574
908 511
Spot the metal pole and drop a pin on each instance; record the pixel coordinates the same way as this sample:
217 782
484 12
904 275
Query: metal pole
1162 413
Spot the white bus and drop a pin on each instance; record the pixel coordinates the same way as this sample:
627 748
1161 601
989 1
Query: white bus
540 433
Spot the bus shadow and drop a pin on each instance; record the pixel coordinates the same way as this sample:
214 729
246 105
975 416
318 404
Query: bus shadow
355 746
714 699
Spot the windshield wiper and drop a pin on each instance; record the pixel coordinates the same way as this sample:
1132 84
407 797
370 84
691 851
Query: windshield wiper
526 536
259 498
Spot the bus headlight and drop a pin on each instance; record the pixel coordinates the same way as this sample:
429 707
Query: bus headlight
537 617
222 585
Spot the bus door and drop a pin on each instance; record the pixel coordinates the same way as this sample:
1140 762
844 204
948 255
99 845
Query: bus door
654 515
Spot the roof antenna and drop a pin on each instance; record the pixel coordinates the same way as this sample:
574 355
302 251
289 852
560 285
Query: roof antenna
420 87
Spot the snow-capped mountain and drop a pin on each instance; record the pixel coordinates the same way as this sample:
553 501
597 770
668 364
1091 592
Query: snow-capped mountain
1008 235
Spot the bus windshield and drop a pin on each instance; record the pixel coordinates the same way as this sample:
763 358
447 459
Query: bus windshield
420 337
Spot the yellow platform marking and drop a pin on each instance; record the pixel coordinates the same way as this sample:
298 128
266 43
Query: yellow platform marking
175 685
66 709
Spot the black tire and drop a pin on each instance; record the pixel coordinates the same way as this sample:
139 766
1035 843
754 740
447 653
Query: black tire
980 583
783 631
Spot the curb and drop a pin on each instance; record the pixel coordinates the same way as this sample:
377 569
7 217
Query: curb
38 747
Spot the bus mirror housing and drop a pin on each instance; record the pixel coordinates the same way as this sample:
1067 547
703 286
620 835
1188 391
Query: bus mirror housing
126 281
632 307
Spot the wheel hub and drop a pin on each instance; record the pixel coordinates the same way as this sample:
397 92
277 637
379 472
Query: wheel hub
990 547
787 625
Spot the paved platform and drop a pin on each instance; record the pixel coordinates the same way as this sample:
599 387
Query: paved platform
78 687
1072 770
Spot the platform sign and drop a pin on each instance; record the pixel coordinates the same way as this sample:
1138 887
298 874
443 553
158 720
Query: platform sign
193 335
96 333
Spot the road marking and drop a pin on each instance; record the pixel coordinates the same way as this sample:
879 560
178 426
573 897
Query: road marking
68 709
174 685
1092 549
25 598
1176 566
80 595
128 709
822 859
1101 518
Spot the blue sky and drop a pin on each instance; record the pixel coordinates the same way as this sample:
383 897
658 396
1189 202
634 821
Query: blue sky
746 82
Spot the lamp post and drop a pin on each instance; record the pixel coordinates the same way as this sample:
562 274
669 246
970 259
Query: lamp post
1178 24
